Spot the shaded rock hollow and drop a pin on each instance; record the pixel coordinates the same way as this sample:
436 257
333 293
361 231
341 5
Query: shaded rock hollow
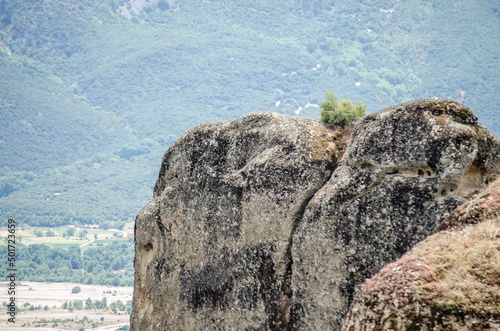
254 224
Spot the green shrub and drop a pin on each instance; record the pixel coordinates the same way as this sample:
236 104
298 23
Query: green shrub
341 112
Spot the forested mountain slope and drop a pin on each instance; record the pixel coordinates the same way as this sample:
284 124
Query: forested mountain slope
93 92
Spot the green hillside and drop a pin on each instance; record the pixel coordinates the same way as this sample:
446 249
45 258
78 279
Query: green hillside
45 125
93 92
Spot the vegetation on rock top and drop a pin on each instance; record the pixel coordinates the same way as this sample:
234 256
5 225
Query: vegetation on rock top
341 112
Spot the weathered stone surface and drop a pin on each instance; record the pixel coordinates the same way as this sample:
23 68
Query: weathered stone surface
405 169
250 229
484 206
213 246
450 281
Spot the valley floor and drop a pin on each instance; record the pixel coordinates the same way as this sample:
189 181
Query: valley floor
53 295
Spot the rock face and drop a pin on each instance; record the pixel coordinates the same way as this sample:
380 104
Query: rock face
213 246
405 169
254 225
450 281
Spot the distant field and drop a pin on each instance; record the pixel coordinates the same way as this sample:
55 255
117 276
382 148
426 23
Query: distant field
102 242
99 243
53 295
81 237
101 256
129 229
64 244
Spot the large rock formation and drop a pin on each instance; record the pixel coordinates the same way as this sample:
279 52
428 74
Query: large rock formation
249 229
213 246
450 281
405 169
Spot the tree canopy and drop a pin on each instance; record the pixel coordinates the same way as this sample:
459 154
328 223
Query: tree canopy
341 112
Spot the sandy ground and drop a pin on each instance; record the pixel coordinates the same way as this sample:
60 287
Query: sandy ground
54 295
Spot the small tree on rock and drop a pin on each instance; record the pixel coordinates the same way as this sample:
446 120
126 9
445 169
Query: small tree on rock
341 112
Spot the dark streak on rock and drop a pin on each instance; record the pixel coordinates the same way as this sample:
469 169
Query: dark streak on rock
213 286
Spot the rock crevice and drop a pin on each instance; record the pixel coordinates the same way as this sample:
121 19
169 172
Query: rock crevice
285 296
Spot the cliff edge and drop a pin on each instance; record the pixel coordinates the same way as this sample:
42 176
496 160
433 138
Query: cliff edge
271 222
